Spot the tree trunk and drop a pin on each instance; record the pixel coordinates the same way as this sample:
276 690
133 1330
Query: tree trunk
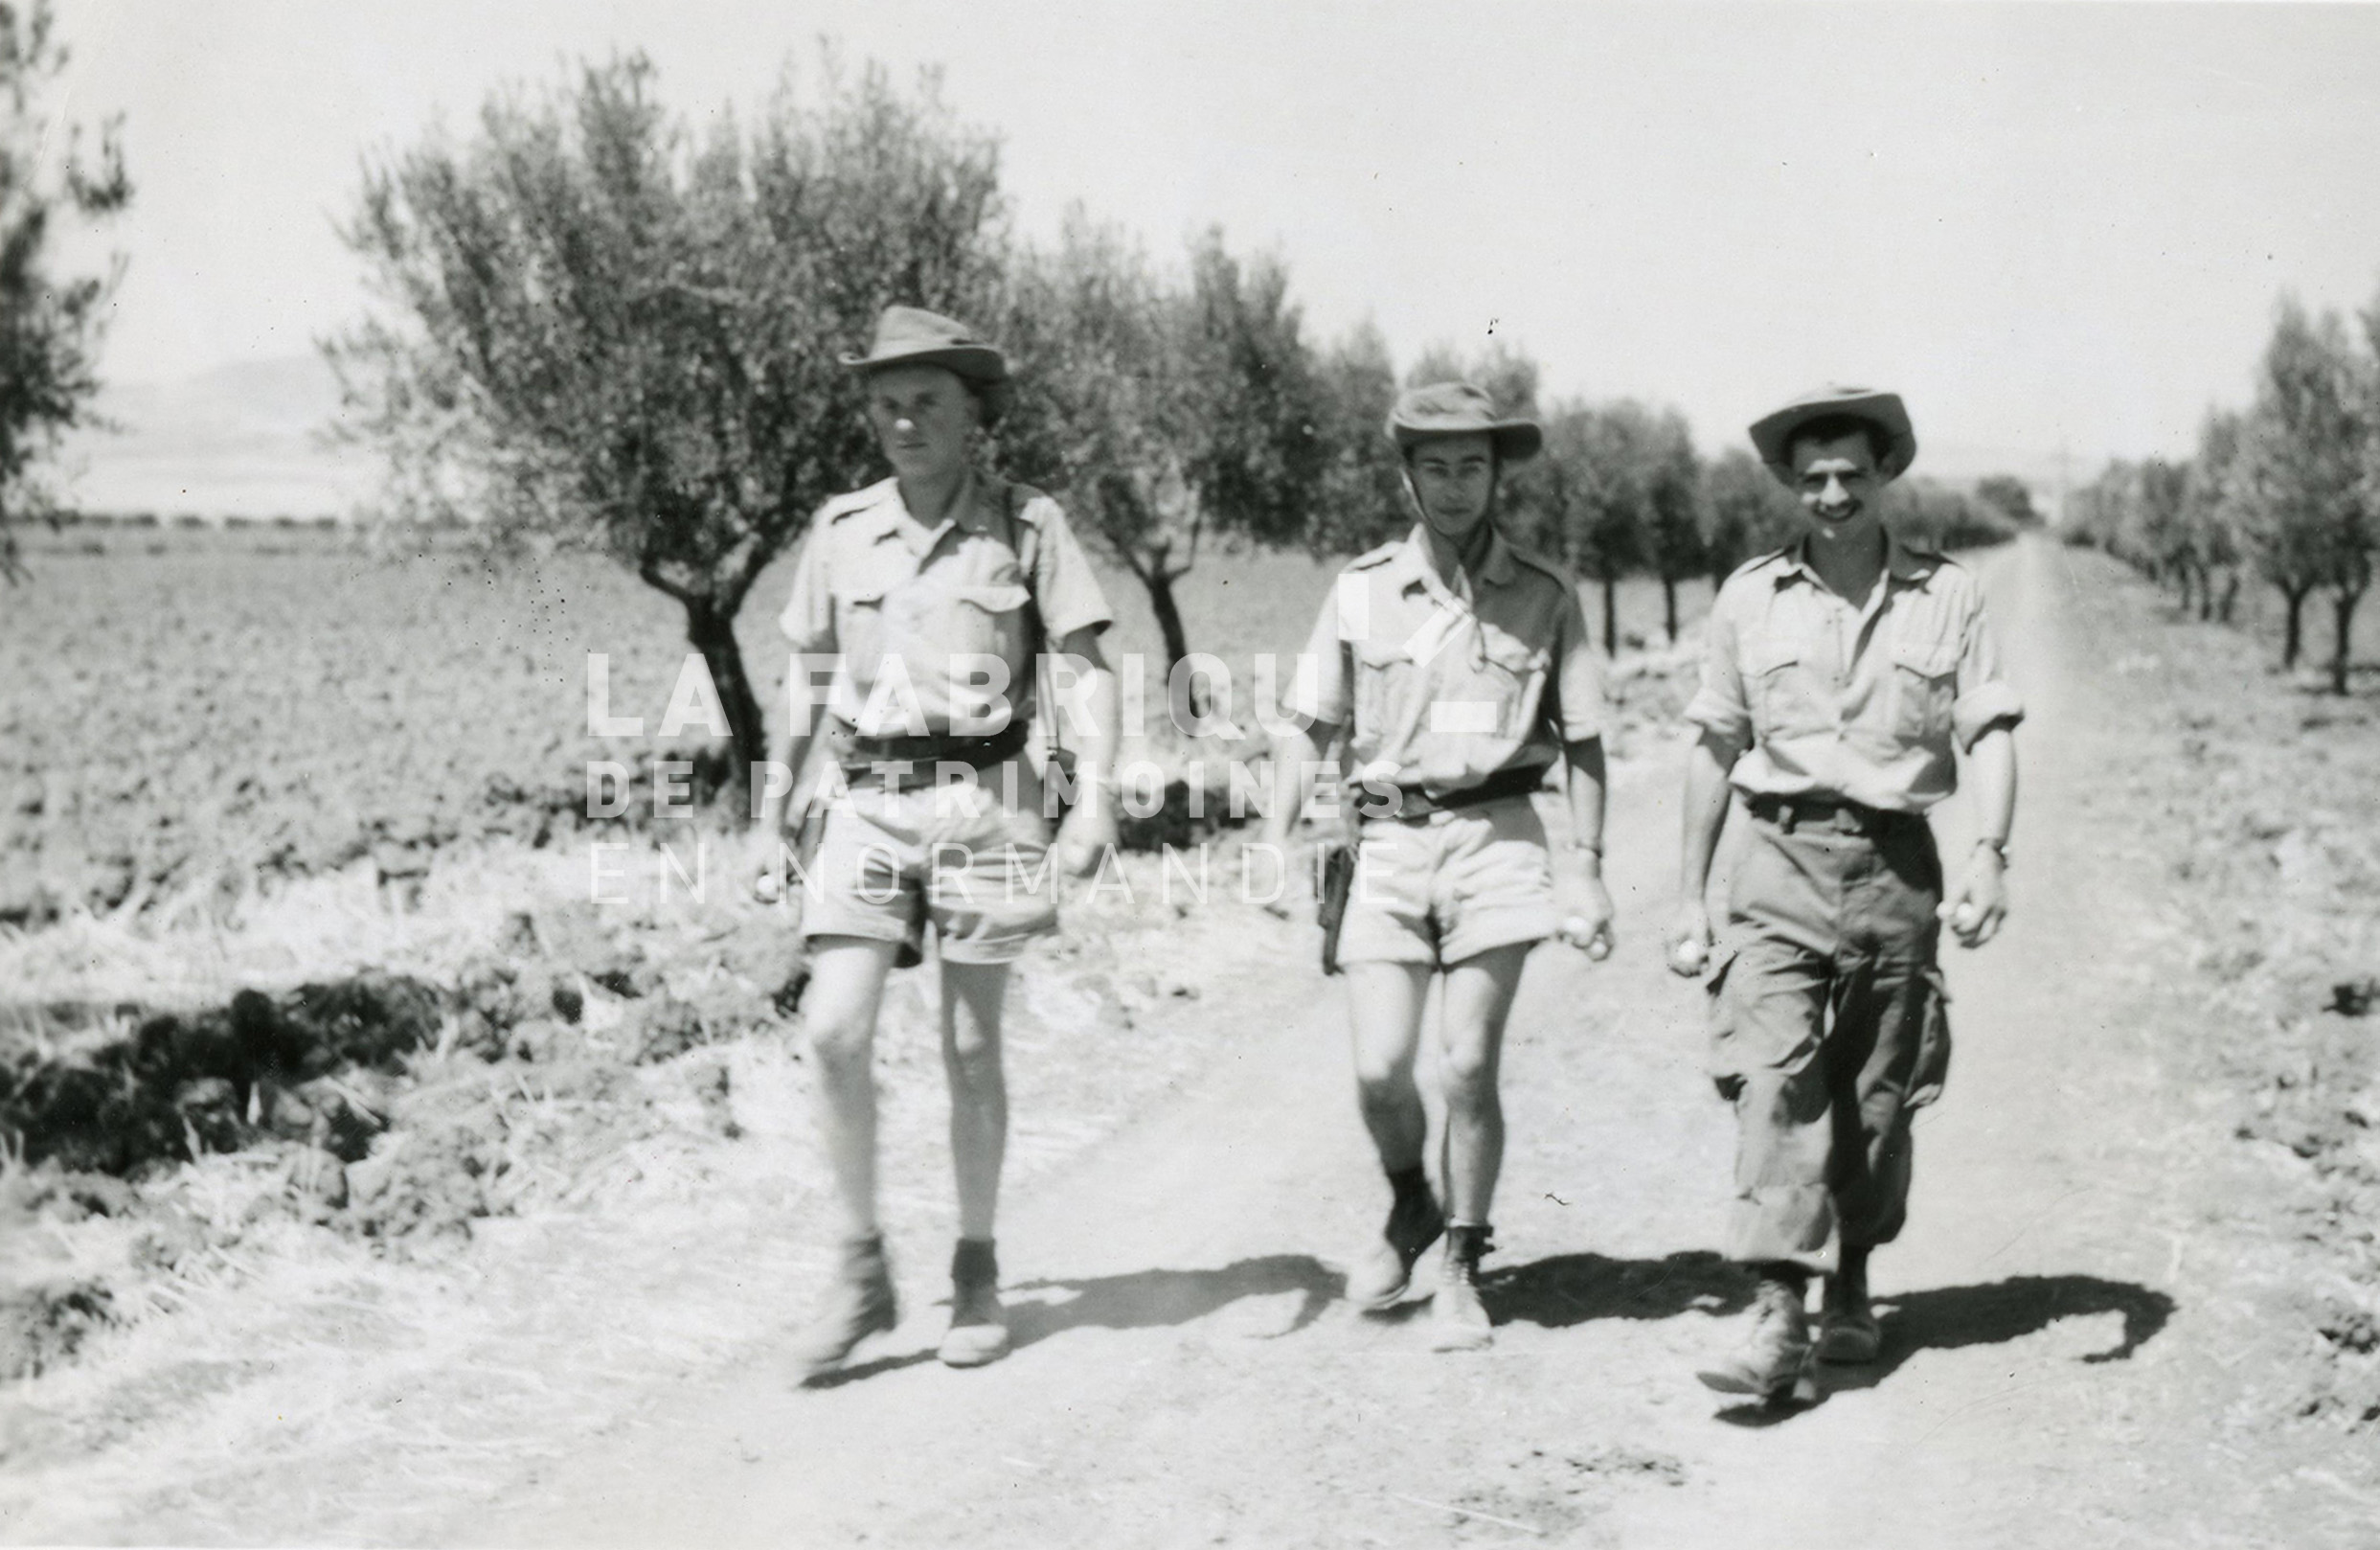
1611 616
2343 625
710 630
2230 596
1669 608
2291 633
1176 640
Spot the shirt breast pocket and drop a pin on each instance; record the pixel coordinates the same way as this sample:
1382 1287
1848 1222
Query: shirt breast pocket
1925 674
1776 683
1383 675
978 612
1510 681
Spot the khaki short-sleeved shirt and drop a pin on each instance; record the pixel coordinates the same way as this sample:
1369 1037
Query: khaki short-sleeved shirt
931 624
1823 698
1442 687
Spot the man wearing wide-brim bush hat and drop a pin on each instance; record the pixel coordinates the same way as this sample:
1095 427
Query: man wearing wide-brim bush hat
1881 417
930 598
1842 678
1458 669
913 336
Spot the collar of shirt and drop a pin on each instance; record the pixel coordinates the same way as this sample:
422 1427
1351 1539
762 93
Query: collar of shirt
1411 567
1902 562
892 517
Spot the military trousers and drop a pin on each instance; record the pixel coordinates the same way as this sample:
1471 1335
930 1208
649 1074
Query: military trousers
1828 1025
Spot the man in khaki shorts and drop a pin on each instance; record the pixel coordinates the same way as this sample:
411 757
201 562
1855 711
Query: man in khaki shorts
1839 675
1458 667
927 600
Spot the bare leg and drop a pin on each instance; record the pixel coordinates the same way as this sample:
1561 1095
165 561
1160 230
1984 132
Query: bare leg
978 1088
1383 1009
1478 999
847 987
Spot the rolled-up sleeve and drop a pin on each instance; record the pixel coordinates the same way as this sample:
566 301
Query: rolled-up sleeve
1064 588
1578 678
1319 692
1718 706
1987 699
809 617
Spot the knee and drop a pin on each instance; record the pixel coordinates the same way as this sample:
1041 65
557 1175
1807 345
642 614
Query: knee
971 1058
841 1043
1470 1077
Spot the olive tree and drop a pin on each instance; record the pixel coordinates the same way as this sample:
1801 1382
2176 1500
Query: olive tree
1174 409
50 323
596 328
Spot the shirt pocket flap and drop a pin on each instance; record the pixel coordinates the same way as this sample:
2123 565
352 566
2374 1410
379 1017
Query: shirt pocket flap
1376 654
1765 656
994 597
1932 658
1514 654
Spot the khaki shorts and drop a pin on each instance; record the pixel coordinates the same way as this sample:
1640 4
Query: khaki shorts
980 869
1451 886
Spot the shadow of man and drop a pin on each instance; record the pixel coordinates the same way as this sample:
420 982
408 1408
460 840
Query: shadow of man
1147 1299
1947 1319
1564 1289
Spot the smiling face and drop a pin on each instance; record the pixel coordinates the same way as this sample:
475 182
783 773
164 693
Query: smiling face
1452 478
921 414
1839 483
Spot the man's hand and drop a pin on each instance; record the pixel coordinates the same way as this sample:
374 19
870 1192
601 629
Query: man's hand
1980 903
1690 940
1088 833
1587 916
763 861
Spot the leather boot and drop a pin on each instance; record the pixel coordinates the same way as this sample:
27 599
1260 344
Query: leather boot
1848 1332
979 1326
858 1302
1459 1320
1381 1277
1773 1361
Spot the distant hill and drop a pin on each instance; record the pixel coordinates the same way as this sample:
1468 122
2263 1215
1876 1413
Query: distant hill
242 440
238 441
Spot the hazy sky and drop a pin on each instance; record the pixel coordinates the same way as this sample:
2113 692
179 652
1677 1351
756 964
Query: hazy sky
2048 227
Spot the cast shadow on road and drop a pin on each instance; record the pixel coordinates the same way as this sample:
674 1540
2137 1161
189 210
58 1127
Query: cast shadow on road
1950 1318
1147 1299
1565 1290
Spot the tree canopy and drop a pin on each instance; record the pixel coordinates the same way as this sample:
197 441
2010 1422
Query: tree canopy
50 323
597 330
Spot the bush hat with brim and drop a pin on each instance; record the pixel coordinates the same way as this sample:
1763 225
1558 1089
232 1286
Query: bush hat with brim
1773 433
913 336
1459 409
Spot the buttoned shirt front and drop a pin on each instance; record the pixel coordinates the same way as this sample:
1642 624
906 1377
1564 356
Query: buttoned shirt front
931 624
1818 697
1446 684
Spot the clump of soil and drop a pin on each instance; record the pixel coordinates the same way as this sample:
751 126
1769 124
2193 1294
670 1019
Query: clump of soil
379 1106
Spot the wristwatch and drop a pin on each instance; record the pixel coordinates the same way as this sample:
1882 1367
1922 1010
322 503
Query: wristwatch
1997 846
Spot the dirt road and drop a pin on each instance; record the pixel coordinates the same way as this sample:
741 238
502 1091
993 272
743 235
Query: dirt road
2070 1313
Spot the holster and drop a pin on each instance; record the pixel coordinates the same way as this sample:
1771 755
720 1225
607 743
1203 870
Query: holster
1338 864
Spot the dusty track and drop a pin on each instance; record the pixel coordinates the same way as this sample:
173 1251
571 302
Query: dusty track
2072 1310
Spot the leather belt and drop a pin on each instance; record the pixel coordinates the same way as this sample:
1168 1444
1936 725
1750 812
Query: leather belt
1420 802
1791 813
923 752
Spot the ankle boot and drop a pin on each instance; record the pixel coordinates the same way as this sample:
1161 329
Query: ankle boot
859 1303
1459 1320
1773 1361
979 1326
1381 1277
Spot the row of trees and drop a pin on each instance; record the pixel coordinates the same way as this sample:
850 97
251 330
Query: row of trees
2288 490
598 328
